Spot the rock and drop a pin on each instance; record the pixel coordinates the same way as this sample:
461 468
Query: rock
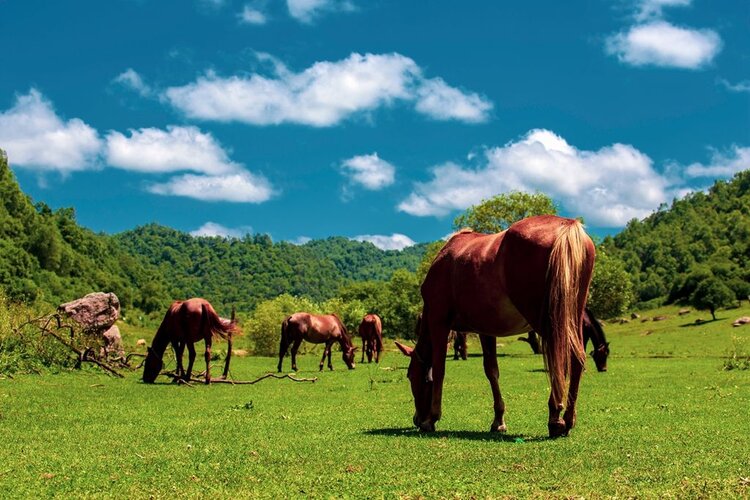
622 321
112 343
240 352
683 312
741 321
634 315
140 342
659 318
96 312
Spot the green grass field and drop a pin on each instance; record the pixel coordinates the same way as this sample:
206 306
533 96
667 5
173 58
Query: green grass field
666 420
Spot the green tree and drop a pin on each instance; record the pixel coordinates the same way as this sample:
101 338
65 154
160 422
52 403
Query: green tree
712 294
611 291
499 212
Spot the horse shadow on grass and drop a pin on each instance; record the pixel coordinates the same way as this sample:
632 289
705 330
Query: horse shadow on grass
411 432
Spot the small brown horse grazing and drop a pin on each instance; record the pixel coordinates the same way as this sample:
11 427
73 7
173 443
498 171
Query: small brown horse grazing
459 346
592 330
535 275
186 323
371 331
316 329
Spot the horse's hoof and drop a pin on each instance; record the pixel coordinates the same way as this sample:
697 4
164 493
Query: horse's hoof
428 426
502 428
557 429
570 421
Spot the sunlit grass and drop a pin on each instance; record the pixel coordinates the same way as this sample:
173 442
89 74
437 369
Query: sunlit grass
666 420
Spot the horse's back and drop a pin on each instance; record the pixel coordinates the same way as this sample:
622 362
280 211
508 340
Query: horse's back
315 328
493 284
371 326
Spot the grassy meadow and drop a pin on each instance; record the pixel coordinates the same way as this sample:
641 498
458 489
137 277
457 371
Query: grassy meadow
666 420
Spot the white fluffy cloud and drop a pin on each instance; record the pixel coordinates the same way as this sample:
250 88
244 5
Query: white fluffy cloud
130 79
608 187
722 165
660 43
253 14
370 171
307 10
324 94
242 187
743 86
396 241
437 99
214 229
34 136
153 150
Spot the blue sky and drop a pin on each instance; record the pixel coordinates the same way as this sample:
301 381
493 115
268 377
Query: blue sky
377 120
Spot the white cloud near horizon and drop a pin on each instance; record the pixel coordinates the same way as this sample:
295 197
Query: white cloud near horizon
130 79
325 94
660 43
214 229
395 241
722 165
35 137
608 187
152 150
369 171
241 187
306 11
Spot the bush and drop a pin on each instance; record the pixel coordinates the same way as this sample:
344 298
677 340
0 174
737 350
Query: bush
25 350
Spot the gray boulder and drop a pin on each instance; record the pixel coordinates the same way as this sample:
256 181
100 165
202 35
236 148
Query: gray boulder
96 312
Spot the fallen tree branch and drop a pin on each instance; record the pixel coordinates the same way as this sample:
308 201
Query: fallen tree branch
243 382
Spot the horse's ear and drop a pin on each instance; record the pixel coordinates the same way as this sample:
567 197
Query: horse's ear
406 350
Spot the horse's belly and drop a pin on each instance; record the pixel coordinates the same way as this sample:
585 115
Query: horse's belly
316 337
498 319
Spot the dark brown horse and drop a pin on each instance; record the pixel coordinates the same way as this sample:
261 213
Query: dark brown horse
592 330
371 331
535 275
186 323
316 329
459 345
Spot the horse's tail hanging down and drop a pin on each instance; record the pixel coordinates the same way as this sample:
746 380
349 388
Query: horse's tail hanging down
567 262
218 326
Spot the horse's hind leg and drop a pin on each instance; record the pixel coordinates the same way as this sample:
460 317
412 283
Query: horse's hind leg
283 346
295 347
576 370
191 360
207 356
491 371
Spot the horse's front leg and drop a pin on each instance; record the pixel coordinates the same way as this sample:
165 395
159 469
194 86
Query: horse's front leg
439 336
207 356
576 370
191 360
491 371
179 348
364 348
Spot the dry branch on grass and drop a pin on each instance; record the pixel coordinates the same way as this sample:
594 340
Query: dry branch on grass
52 325
178 379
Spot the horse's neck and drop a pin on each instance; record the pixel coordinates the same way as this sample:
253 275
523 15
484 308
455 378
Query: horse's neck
345 342
161 339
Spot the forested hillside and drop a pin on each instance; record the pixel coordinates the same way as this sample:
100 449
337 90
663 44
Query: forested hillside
45 255
702 236
360 261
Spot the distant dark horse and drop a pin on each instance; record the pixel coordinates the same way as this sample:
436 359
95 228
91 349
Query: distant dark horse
371 331
316 329
533 276
592 329
186 323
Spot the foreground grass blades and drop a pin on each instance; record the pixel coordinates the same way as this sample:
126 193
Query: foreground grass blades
665 420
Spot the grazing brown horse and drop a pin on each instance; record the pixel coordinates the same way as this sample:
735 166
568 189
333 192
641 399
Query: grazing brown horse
459 346
592 330
535 275
371 331
316 329
186 323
